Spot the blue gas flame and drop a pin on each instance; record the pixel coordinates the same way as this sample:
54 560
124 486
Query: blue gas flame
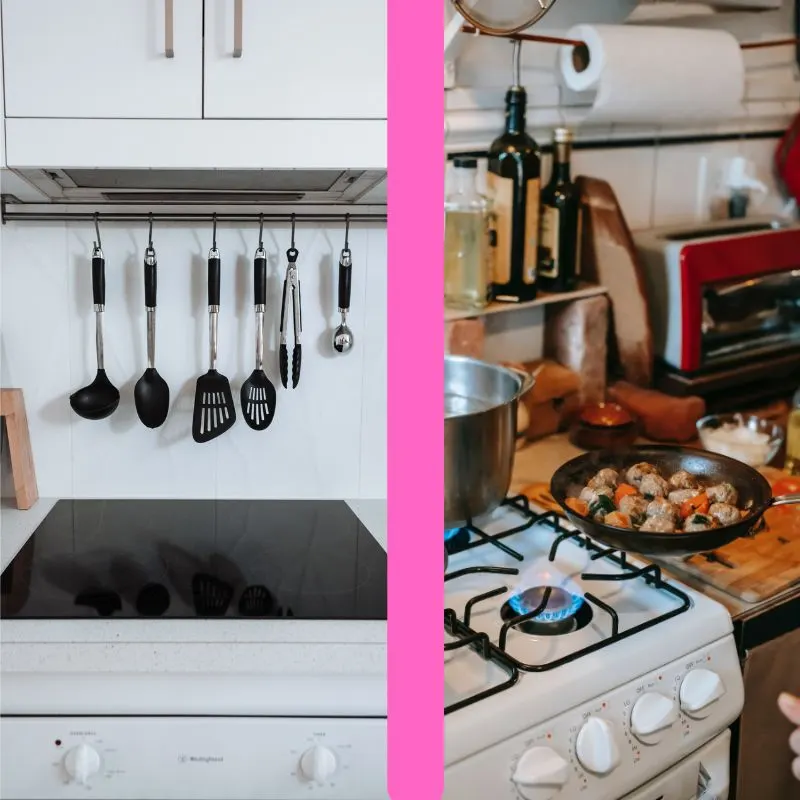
523 604
449 534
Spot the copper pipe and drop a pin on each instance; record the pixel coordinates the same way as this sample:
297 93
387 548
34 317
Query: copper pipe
529 37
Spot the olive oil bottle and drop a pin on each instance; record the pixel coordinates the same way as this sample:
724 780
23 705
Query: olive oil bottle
560 222
513 181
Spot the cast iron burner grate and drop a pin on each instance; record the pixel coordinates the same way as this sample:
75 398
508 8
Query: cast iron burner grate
480 642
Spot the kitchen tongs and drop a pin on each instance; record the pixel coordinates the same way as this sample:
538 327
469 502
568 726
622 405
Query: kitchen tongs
291 285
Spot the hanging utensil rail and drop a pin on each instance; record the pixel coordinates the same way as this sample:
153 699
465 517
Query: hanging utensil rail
532 37
145 216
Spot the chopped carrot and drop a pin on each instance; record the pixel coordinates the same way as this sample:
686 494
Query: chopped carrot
695 505
578 506
623 490
618 520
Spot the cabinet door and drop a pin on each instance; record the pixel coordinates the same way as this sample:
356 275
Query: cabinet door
299 59
100 59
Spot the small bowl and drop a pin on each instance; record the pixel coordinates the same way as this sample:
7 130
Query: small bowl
604 426
754 454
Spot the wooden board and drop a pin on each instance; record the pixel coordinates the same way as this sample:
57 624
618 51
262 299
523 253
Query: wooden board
760 567
609 258
12 409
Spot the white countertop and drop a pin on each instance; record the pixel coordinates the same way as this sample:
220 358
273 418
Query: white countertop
297 647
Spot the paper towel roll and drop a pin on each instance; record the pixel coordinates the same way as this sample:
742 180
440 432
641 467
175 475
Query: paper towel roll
645 74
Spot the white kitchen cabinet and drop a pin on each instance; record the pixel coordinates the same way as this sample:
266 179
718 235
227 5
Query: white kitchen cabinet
101 59
300 59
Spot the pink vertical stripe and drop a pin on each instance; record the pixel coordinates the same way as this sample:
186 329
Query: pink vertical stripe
415 383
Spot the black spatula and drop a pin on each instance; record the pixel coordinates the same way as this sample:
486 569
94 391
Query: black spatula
258 393
214 412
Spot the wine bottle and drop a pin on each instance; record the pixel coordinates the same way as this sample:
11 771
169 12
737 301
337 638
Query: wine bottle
560 222
513 180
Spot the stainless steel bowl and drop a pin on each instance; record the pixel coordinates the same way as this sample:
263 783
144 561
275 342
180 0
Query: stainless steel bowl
480 433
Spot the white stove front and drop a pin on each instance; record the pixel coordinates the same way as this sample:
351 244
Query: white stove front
597 725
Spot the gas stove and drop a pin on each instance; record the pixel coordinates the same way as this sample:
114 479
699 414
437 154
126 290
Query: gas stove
573 670
195 649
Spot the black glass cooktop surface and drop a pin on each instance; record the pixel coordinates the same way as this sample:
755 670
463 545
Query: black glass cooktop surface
302 559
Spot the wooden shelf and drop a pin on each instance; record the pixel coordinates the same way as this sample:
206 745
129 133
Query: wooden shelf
544 299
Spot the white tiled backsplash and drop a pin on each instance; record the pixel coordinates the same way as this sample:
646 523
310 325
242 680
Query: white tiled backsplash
328 439
676 183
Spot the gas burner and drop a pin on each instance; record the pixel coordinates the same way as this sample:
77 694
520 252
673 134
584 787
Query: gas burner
456 539
563 613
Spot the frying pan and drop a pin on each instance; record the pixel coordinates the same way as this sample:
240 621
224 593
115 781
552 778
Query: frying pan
754 491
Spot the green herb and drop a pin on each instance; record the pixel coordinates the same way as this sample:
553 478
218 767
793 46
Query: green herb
701 519
604 504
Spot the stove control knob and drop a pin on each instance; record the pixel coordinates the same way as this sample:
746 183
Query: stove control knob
700 689
318 764
81 763
596 747
540 774
652 715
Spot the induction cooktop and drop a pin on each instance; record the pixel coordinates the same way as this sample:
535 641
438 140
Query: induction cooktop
184 559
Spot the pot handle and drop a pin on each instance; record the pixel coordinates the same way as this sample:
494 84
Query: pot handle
528 378
785 500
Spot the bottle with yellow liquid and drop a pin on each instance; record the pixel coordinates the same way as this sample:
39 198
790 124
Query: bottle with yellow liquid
792 465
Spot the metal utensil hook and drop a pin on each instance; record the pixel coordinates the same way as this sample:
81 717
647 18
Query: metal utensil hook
260 231
291 253
347 232
150 232
97 245
214 233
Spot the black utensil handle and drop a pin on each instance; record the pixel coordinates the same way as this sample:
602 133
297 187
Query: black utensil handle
345 276
213 281
297 355
283 308
99 280
150 282
284 365
260 280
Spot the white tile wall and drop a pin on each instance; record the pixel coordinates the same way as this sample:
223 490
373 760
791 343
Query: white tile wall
328 439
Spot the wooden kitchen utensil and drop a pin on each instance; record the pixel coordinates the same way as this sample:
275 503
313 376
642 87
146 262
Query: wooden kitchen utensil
12 409
609 258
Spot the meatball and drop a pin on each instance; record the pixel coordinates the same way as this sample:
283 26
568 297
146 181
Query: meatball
638 471
635 506
683 480
722 493
697 523
653 486
618 520
658 525
662 508
592 495
724 513
606 477
680 496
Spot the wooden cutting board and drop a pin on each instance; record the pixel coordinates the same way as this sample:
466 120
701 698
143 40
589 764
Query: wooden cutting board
760 567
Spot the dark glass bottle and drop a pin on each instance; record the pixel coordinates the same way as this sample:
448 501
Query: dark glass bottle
513 180
560 223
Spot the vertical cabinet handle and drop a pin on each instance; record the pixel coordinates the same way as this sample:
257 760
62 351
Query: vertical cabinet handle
169 25
237 28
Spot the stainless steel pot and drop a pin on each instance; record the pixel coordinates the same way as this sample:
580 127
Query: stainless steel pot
480 433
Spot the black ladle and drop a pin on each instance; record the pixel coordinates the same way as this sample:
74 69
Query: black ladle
100 398
151 393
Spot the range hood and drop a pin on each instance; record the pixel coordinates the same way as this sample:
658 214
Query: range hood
186 187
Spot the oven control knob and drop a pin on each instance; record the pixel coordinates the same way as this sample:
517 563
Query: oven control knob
318 764
81 763
596 747
700 689
540 774
652 715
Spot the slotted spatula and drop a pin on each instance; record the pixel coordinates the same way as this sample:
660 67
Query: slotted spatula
214 412
258 392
